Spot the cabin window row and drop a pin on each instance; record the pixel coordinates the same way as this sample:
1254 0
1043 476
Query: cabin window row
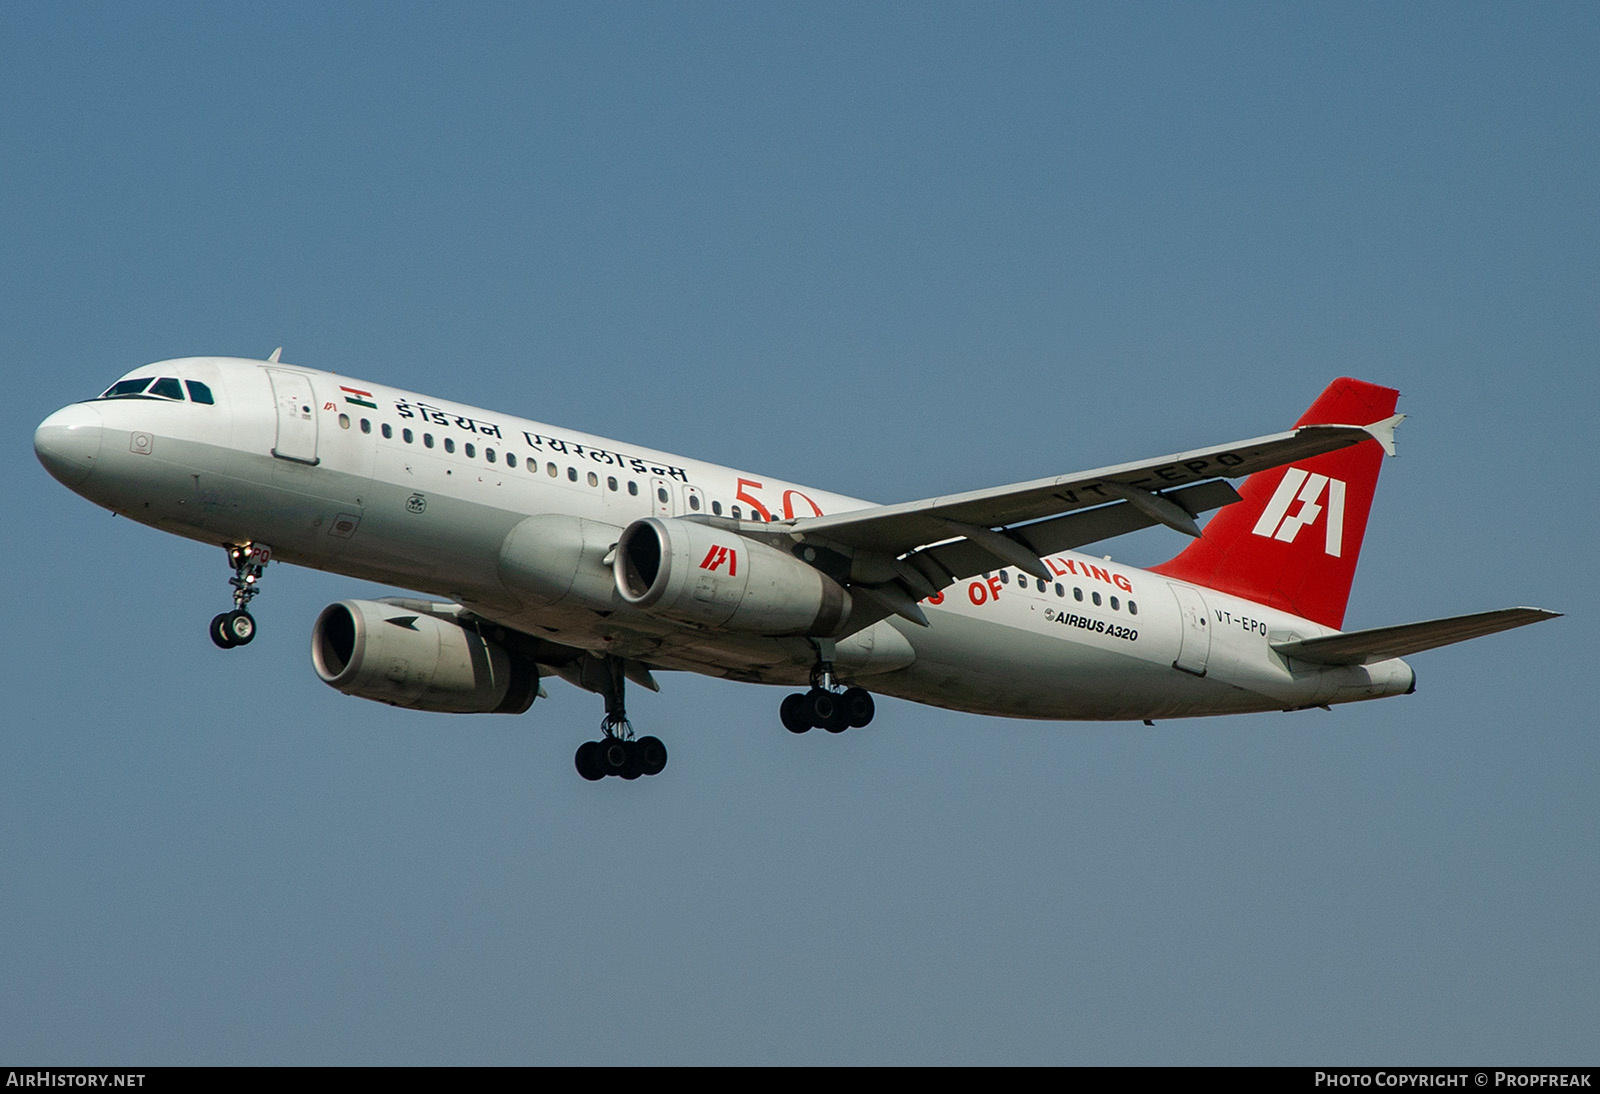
1116 603
470 450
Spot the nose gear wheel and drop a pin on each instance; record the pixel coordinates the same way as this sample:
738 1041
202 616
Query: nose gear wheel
238 627
232 629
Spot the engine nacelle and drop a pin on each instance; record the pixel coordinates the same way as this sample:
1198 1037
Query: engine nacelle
552 558
688 571
393 655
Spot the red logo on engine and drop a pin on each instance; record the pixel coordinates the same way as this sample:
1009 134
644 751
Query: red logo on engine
718 555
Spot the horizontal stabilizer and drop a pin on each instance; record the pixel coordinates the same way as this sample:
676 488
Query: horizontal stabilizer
1382 643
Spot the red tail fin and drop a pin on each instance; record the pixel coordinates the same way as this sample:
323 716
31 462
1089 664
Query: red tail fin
1292 542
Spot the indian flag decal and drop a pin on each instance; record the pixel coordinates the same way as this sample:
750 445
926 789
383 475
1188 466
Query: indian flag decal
359 398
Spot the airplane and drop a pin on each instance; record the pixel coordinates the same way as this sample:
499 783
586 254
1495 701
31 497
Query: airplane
558 553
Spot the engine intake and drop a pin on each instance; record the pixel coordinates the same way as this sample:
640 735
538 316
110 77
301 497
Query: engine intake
391 654
692 572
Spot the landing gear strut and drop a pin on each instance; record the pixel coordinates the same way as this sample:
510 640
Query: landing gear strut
618 752
825 706
238 627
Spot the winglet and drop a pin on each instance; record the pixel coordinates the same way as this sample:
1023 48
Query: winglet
275 355
1380 431
1383 432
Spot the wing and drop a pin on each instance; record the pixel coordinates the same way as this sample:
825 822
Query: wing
573 664
1382 643
899 554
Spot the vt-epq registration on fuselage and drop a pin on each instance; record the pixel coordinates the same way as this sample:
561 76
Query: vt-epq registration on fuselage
559 554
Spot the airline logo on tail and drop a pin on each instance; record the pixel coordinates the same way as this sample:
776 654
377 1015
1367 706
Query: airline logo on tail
1318 496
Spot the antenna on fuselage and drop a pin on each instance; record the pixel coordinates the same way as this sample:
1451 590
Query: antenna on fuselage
275 355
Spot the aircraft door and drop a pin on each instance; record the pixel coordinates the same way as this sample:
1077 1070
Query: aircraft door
675 499
297 419
1195 633
693 501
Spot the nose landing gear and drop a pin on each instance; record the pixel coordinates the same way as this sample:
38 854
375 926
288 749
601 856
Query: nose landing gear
238 627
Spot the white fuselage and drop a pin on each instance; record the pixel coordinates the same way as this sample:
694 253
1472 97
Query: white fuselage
390 486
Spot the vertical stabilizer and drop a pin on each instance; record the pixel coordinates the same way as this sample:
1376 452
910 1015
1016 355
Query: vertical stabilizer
1293 541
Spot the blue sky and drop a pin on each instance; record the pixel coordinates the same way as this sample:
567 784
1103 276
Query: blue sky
892 250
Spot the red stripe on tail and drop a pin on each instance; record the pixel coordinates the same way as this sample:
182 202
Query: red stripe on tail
1293 541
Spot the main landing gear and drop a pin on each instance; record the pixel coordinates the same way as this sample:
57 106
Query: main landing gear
238 627
824 706
618 752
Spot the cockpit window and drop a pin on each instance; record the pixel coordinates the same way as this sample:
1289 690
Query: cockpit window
165 387
124 388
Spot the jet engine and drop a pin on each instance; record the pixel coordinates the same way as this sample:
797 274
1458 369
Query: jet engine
552 560
692 572
395 655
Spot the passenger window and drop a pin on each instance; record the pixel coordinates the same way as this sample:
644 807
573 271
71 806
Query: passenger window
611 483
427 440
1114 604
1133 609
736 515
388 433
551 468
366 425
1096 598
694 502
470 449
1005 577
633 488
1059 590
344 421
405 435
511 459
488 454
594 480
199 393
572 474
449 444
1077 594
167 388
716 508
661 493
1041 582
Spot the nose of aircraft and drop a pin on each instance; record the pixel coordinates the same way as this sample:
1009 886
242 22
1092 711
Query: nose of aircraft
68 443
